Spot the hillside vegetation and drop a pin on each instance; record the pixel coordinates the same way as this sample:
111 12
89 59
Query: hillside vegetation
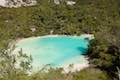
99 17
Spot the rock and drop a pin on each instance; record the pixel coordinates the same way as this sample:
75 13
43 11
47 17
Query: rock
57 2
6 21
3 3
17 3
33 29
70 2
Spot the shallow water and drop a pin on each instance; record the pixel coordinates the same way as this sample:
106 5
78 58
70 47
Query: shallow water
56 51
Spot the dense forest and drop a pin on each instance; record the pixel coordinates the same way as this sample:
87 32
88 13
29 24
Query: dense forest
98 17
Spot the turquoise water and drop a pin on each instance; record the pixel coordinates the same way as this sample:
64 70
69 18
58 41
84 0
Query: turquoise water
56 51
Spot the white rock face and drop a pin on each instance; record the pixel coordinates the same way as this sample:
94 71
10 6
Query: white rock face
17 3
70 2
57 2
2 2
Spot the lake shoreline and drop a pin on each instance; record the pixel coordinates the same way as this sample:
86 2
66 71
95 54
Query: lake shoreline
91 36
67 68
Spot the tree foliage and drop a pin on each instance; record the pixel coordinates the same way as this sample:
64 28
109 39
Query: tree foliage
99 17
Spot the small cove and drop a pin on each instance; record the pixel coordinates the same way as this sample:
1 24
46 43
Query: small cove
57 51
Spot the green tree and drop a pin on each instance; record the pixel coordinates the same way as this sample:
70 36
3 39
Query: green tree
8 64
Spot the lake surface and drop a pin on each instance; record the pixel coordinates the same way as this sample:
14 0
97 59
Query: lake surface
58 51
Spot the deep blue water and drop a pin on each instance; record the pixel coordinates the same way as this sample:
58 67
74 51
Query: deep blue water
57 51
